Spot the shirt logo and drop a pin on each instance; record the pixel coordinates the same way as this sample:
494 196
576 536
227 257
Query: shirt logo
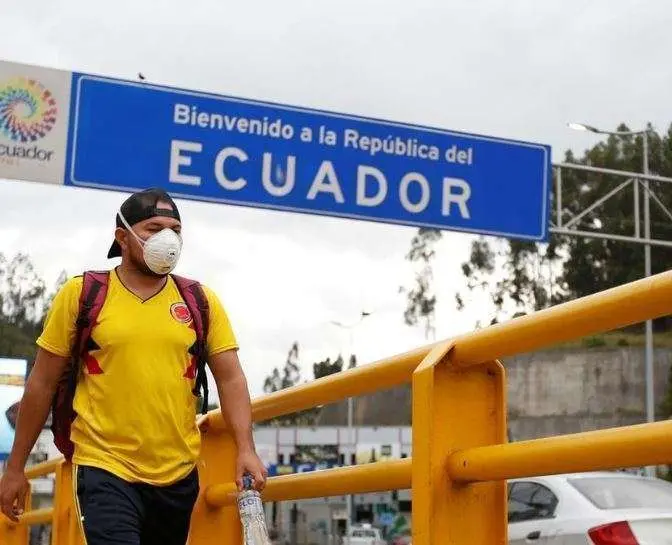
180 312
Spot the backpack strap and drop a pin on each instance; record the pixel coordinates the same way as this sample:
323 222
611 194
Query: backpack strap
91 300
195 299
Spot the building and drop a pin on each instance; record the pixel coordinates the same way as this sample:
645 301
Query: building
286 450
12 380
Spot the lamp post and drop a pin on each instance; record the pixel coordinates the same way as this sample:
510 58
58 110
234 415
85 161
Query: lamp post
650 399
350 328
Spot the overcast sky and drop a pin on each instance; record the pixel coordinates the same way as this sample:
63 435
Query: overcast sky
516 69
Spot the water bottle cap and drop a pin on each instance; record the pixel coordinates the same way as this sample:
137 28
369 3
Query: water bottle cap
248 481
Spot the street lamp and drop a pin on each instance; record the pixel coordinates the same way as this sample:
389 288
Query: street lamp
650 400
350 328
582 127
590 128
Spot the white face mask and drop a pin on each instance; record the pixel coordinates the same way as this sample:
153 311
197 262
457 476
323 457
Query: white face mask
161 251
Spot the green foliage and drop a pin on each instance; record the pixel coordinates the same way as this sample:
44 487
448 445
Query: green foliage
290 375
420 300
23 302
595 264
22 291
520 277
665 409
16 342
326 367
520 287
594 342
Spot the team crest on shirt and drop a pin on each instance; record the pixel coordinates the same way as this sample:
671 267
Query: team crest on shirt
180 312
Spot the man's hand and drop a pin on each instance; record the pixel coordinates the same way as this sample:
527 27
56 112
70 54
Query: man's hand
33 413
14 488
249 462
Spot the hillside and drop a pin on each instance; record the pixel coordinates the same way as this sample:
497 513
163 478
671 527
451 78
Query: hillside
558 391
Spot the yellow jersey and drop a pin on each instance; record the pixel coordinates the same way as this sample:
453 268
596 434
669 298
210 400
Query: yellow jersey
136 413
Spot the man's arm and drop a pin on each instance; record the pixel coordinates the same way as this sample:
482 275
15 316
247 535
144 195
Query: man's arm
234 399
35 405
33 413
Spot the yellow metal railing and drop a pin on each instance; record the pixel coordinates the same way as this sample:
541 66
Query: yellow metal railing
460 459
614 448
62 516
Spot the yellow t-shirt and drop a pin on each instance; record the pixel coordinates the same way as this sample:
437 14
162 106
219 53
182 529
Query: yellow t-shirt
136 413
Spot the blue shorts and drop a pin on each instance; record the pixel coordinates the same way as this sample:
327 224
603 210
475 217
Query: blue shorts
116 512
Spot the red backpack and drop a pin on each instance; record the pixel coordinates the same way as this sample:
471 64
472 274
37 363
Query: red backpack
91 300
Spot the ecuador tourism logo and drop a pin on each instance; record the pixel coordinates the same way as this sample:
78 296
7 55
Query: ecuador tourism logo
28 112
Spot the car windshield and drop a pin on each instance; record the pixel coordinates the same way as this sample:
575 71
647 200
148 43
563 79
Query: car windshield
615 493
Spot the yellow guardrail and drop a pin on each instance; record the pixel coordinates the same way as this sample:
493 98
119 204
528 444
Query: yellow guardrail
460 459
62 516
614 448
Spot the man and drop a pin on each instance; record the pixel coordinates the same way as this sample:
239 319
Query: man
135 437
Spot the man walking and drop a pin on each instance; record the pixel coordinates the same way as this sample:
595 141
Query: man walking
135 437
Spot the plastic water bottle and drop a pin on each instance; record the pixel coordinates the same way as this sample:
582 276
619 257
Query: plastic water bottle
252 517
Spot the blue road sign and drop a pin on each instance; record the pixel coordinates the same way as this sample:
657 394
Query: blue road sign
127 135
387 518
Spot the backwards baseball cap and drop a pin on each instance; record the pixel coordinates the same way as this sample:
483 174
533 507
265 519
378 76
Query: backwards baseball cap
141 206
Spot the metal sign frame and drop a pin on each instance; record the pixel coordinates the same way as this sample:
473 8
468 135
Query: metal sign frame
564 222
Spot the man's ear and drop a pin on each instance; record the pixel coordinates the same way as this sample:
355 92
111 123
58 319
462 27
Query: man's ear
120 235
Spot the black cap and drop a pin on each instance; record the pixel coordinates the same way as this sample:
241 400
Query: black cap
141 206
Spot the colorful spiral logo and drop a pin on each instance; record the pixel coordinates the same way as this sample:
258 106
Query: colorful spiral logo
27 110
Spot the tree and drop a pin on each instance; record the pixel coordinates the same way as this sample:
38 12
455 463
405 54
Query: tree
23 303
60 281
516 275
596 264
326 367
15 343
522 276
22 291
420 299
289 376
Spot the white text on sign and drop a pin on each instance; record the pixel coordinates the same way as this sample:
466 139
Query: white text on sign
372 186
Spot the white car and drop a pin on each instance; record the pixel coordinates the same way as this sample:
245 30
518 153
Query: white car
597 508
364 534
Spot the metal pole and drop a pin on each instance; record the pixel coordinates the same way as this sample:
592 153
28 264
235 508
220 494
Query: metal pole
650 394
644 180
635 204
349 498
558 198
